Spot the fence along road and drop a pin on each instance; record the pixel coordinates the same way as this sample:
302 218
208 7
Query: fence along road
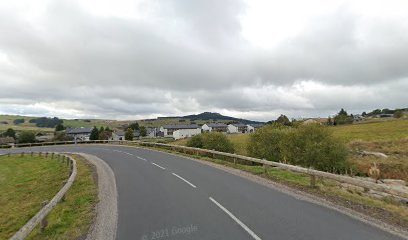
161 203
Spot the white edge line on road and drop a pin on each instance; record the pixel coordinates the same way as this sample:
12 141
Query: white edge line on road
236 219
189 183
157 165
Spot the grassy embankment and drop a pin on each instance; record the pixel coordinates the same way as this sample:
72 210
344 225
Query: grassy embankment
26 182
389 137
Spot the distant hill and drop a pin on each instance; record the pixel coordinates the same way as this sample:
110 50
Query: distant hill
209 116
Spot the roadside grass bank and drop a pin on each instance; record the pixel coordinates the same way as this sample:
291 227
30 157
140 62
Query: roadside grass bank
72 218
386 136
26 182
386 210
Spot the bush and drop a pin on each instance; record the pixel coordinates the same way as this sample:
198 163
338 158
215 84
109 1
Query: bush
212 141
196 141
26 137
314 146
309 145
18 121
268 142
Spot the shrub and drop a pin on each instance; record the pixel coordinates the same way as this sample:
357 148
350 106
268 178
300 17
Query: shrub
268 142
196 141
308 146
314 146
212 141
129 134
18 121
94 134
217 141
26 137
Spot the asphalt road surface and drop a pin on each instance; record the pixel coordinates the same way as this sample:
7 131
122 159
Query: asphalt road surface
162 196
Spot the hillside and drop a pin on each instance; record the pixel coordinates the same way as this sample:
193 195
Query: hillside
21 123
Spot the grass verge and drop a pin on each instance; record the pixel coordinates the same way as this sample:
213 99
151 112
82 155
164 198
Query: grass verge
71 218
25 182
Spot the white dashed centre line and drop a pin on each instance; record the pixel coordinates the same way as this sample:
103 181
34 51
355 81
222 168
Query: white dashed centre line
157 165
141 158
236 220
189 183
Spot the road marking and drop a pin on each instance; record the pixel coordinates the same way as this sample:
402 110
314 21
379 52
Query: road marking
157 165
189 183
236 220
128 153
141 158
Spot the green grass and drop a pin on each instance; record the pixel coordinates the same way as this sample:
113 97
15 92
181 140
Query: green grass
72 218
370 131
25 182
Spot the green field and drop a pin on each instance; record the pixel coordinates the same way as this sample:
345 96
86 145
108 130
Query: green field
25 182
373 131
386 136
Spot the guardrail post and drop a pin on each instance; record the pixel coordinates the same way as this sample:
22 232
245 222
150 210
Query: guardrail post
39 154
22 154
213 155
265 167
8 154
52 155
32 153
44 221
312 180
46 154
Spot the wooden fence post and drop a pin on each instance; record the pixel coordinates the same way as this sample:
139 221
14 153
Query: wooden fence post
312 180
44 222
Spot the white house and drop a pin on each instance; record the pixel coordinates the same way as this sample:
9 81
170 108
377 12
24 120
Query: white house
79 134
168 130
237 128
120 135
151 132
184 133
254 126
214 127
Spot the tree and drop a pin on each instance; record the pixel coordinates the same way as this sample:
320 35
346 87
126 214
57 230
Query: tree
9 133
62 136
59 127
329 121
26 137
143 131
94 134
282 119
18 121
134 126
342 112
398 114
269 142
342 118
101 129
310 145
314 146
129 134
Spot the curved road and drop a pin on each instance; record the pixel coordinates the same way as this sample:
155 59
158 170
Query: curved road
162 196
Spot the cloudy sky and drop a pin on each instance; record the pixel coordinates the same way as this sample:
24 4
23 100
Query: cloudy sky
253 59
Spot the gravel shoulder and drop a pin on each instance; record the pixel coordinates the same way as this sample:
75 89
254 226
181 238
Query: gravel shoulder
106 221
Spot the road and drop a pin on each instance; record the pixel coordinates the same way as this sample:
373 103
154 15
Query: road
162 196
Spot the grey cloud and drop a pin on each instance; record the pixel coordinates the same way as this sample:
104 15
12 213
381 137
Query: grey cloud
194 59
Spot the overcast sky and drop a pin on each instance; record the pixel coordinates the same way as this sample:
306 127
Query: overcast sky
252 59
